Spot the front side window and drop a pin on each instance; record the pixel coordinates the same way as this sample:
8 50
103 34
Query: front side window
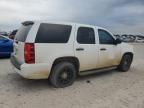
86 35
53 33
105 37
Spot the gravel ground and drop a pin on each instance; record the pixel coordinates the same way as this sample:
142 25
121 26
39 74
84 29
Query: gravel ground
106 90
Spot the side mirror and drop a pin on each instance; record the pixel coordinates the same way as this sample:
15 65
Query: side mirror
118 41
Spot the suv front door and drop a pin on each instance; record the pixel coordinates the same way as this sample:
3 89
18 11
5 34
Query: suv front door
109 51
85 47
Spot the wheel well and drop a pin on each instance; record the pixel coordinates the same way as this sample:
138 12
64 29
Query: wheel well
73 60
129 53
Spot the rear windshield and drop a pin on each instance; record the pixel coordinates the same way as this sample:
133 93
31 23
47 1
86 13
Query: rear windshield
53 33
22 33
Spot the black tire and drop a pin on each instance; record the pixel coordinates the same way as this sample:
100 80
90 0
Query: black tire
63 75
125 63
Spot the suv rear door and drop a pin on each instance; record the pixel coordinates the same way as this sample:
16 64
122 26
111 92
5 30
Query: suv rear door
109 52
85 47
20 40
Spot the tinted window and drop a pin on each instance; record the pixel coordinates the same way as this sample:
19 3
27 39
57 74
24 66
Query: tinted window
53 33
85 35
105 37
22 33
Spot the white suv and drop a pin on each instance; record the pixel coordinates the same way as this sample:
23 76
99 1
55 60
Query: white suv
60 51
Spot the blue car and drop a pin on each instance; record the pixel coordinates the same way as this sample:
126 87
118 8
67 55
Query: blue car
6 46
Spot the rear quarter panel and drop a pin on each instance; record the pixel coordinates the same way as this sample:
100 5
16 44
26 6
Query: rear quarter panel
49 52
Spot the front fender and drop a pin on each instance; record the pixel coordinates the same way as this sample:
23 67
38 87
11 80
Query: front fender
126 48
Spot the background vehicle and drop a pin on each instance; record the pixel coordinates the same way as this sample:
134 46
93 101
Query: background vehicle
4 33
12 34
140 40
6 46
60 51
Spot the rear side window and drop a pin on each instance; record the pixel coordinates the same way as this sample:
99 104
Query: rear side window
86 35
23 32
53 33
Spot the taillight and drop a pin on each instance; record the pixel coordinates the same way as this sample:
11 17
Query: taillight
29 53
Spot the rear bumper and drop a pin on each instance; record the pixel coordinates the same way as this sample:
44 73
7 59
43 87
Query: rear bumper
31 71
15 62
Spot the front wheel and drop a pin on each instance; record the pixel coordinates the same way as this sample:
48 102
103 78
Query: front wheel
63 75
125 63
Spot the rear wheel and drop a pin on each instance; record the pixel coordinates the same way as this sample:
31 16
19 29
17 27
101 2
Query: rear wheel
63 74
125 63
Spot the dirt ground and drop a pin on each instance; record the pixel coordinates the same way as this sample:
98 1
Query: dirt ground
106 90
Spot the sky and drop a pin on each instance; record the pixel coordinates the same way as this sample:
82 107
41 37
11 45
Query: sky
118 16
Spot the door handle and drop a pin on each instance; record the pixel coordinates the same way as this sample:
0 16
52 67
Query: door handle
79 49
103 49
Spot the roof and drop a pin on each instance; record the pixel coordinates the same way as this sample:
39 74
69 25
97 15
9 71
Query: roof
57 22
